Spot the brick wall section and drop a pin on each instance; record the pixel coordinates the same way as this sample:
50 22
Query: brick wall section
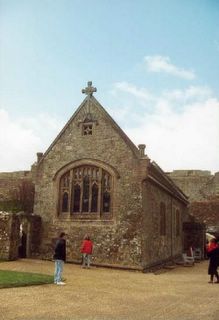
207 212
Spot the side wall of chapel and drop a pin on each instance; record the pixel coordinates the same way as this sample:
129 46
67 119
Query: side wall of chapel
157 248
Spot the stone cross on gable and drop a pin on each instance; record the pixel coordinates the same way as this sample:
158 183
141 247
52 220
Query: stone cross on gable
89 90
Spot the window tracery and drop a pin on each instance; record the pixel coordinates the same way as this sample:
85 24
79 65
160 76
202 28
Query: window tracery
86 190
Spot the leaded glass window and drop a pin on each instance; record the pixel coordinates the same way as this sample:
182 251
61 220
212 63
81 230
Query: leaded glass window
65 202
94 198
76 197
64 192
86 189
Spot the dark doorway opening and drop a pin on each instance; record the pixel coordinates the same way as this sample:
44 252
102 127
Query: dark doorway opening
22 249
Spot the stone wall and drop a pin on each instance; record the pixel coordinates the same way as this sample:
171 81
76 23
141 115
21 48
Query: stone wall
203 190
159 249
198 185
116 239
16 191
10 182
9 234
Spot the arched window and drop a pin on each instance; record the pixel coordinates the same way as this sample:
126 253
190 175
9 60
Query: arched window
86 190
162 219
64 192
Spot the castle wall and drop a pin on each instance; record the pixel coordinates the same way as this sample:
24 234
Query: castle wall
203 190
198 185
10 182
16 191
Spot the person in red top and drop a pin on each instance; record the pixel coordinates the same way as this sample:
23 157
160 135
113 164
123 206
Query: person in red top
86 250
213 255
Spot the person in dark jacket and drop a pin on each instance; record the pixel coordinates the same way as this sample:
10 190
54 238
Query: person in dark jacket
213 254
60 258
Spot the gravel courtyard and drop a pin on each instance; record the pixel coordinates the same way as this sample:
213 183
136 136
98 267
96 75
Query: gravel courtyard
107 294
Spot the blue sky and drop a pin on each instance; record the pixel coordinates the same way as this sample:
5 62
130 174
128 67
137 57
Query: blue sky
155 65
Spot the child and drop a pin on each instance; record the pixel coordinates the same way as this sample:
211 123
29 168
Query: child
86 250
213 254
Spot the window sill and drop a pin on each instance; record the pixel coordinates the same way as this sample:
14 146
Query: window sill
85 216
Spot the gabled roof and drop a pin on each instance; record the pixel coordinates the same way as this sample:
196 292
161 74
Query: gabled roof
91 99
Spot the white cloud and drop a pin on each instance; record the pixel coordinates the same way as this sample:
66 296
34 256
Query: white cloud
22 138
140 93
185 139
163 64
176 139
190 93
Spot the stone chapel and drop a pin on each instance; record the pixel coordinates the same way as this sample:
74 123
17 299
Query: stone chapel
93 180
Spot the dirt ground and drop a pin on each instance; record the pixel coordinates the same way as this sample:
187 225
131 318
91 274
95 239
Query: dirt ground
107 294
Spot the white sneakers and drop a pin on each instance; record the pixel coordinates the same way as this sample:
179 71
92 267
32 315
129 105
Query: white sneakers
60 283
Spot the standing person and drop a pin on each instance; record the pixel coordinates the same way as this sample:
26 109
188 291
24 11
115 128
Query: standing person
86 250
60 258
213 254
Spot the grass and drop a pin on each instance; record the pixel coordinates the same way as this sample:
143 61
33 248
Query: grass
10 279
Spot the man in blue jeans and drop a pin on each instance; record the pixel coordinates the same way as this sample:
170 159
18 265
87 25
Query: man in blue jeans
60 258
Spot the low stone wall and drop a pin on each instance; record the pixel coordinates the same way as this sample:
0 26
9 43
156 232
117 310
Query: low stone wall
9 236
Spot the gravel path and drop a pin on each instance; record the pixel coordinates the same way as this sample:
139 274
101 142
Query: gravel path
107 294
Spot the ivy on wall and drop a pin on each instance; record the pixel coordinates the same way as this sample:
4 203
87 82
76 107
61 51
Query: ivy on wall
11 206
